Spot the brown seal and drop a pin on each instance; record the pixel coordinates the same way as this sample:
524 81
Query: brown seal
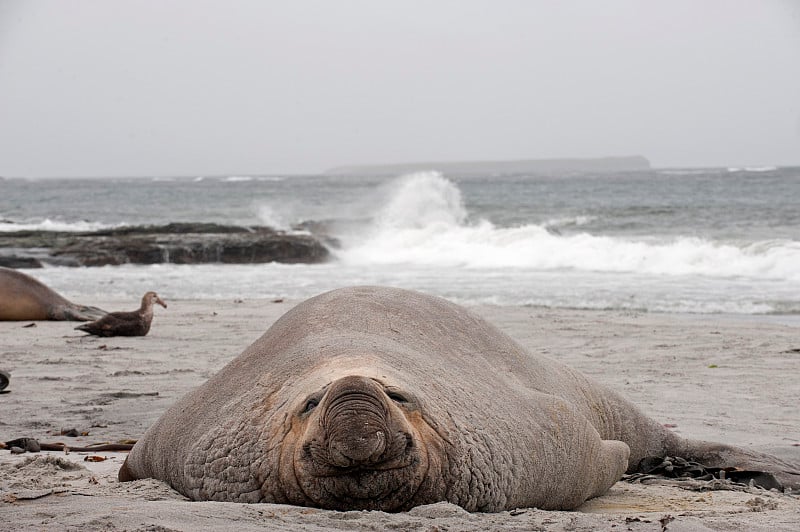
133 323
24 298
385 399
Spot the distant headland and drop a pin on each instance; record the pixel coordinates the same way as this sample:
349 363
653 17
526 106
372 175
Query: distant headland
556 166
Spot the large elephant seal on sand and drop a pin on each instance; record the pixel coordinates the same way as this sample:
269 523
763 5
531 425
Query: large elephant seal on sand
24 298
380 398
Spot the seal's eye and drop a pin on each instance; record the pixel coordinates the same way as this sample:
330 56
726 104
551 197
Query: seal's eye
311 404
396 396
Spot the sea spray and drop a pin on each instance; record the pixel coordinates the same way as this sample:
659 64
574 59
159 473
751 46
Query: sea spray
48 224
423 221
272 216
419 201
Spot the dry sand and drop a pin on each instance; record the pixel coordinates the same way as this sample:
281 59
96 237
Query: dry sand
724 378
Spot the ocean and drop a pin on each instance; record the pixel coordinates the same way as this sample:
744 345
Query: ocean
722 240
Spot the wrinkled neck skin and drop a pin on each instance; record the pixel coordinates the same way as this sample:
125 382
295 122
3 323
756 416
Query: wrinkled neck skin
357 437
360 440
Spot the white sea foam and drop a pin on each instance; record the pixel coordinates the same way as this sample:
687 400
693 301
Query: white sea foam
424 222
54 225
753 169
237 179
688 171
421 200
271 217
572 221
564 289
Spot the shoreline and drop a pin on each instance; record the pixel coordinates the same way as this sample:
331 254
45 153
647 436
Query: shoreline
728 378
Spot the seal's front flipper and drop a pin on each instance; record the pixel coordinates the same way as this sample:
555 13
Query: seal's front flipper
612 465
571 462
125 474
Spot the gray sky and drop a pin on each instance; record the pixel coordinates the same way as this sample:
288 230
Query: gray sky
187 87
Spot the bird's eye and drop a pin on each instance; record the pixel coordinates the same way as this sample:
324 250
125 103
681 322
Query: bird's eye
311 404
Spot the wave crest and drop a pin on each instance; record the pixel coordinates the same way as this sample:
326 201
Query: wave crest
424 222
420 201
54 225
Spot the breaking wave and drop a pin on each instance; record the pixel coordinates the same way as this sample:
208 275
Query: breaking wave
54 225
422 221
752 169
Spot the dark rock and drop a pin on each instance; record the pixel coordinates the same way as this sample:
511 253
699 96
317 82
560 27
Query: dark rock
19 262
178 243
179 228
30 445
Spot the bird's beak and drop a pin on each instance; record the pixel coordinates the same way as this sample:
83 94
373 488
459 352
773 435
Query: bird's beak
161 302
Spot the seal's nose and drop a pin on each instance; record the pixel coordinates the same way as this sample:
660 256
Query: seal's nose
355 416
363 449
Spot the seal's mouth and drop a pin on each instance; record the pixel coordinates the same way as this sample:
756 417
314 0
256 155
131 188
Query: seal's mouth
398 454
359 450
385 488
351 493
386 482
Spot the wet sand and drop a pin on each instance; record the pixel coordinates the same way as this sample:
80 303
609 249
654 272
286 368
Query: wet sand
725 378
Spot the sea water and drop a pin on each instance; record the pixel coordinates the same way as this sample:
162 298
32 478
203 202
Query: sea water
671 240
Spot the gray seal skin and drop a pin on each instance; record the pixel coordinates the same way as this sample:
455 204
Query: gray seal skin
385 399
23 298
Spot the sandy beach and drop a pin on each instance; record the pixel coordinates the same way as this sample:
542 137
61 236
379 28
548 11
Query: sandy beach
725 378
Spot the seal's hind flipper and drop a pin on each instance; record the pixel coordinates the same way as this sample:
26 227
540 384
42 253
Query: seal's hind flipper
718 455
83 313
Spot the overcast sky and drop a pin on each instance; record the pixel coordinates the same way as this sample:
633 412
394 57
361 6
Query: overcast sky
99 88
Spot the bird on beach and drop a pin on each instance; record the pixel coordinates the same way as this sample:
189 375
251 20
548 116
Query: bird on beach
134 323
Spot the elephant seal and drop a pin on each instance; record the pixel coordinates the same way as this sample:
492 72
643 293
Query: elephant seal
24 298
384 399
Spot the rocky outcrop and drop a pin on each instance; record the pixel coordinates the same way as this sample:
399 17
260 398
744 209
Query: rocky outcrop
179 243
13 261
